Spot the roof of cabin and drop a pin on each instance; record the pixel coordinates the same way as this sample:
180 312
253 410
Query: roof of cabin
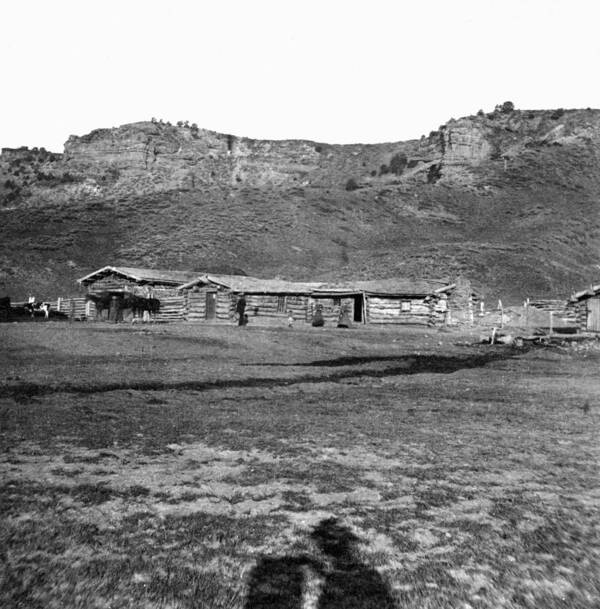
593 290
242 283
392 286
239 283
174 278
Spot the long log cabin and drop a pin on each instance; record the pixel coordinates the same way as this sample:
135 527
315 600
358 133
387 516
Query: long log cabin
214 297
396 301
190 296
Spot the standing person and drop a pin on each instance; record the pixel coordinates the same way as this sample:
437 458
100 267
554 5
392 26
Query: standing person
113 310
290 319
317 319
240 309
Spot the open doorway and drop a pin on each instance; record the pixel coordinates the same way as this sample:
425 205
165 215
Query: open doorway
358 308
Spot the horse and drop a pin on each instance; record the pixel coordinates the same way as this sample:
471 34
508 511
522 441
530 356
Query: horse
38 307
102 301
140 305
137 304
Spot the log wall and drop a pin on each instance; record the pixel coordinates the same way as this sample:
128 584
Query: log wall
172 308
388 310
116 282
77 306
225 306
580 314
196 305
274 308
112 282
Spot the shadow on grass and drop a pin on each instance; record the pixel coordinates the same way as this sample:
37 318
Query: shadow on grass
408 364
339 579
412 363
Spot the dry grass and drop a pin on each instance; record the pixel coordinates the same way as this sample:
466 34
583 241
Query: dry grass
149 468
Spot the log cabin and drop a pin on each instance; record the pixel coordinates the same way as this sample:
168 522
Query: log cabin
268 301
385 301
190 296
149 283
213 297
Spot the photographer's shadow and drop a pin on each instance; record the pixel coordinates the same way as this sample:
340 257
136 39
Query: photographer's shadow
336 576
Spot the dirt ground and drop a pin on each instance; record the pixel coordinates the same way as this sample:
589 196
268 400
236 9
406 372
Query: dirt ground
182 466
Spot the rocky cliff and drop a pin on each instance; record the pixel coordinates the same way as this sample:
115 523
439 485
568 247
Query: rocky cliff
508 199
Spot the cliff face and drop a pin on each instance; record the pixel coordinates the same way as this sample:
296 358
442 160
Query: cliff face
508 199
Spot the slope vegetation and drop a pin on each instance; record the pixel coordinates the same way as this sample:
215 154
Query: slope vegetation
509 200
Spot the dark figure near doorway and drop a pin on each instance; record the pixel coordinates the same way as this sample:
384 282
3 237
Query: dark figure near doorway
240 309
344 319
345 582
317 319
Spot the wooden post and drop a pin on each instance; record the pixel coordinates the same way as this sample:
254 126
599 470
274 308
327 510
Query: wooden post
501 313
58 303
364 308
551 321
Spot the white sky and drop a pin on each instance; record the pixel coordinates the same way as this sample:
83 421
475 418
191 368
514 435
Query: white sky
332 71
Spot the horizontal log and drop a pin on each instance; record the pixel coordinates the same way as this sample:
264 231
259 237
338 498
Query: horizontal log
421 322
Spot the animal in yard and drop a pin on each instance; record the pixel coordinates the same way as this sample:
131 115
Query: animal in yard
122 301
34 308
140 305
45 307
100 300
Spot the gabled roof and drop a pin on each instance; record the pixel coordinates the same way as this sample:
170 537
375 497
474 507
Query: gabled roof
593 290
166 277
253 285
387 287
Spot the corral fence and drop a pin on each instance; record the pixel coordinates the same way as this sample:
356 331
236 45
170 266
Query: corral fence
76 308
172 308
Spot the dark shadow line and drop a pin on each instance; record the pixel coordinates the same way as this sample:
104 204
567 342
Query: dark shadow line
351 360
416 364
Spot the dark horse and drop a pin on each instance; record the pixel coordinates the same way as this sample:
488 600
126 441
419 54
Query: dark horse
137 304
101 301
5 307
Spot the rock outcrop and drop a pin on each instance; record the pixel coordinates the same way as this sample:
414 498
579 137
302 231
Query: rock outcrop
508 198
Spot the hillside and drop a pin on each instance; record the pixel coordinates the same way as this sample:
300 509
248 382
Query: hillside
508 199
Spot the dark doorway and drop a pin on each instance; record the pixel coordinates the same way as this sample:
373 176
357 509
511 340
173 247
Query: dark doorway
211 305
358 308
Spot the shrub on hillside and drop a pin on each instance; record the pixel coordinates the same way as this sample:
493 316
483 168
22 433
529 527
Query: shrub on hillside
557 114
352 185
398 163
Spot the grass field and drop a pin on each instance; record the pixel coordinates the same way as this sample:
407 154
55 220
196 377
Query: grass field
220 467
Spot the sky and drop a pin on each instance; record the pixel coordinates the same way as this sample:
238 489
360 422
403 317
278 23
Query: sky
330 71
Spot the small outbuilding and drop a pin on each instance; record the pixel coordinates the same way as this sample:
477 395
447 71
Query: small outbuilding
587 309
149 283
